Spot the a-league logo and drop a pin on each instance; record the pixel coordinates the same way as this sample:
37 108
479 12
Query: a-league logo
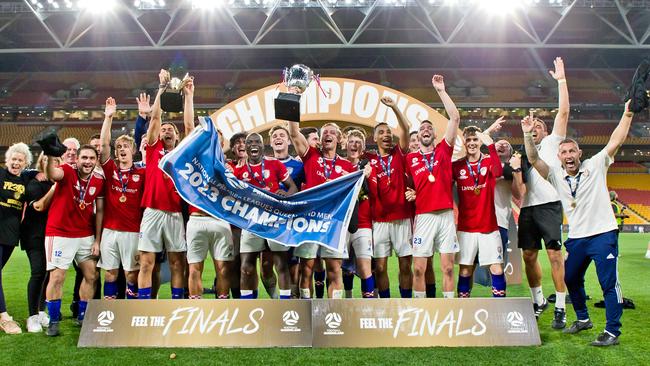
333 320
105 318
290 317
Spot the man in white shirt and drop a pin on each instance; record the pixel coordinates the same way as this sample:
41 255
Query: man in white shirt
582 187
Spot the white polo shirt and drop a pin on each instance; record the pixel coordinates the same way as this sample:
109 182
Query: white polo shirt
502 202
538 190
593 213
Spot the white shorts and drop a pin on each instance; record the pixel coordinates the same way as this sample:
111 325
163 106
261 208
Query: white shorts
313 250
205 233
119 247
435 231
361 241
488 246
161 230
394 235
251 243
60 251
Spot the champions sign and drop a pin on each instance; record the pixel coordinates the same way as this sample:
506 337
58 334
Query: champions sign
345 100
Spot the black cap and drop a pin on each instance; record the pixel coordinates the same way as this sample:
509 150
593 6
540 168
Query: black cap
51 145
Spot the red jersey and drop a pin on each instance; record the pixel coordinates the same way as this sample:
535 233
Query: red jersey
475 183
159 191
124 189
436 195
365 214
318 169
388 179
66 217
274 173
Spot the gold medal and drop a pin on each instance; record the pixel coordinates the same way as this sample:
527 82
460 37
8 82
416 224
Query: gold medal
477 191
82 205
431 178
573 204
122 198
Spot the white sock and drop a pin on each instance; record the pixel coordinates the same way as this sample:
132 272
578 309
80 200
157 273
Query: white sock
560 300
419 294
305 293
285 293
647 254
447 294
538 295
348 294
337 294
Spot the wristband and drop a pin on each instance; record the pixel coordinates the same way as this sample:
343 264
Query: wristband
528 134
162 86
629 114
518 170
561 81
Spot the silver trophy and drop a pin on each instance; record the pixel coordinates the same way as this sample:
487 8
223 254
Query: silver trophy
172 99
297 79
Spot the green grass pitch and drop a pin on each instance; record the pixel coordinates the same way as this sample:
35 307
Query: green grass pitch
556 348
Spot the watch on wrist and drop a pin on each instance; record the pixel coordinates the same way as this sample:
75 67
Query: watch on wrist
517 170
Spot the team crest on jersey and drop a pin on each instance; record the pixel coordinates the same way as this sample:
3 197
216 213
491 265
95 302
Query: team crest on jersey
92 190
463 174
115 176
290 170
266 173
374 161
338 169
483 171
414 160
136 177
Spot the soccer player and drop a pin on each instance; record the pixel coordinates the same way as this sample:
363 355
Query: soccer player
280 142
162 221
391 226
361 240
72 231
414 144
582 187
238 147
125 186
266 173
430 169
478 232
321 165
541 210
206 233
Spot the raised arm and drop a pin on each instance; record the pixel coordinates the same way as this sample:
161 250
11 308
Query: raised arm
297 139
518 187
620 132
531 150
438 83
562 116
53 172
153 132
105 136
495 126
401 121
188 108
495 168
144 112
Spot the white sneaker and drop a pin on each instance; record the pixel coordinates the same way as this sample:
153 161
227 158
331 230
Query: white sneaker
34 325
43 318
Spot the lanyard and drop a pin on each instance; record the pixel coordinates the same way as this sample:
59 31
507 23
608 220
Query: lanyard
573 190
429 163
386 166
122 182
82 190
328 169
250 171
478 171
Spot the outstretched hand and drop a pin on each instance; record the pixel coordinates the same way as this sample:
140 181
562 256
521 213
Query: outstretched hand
144 108
111 107
438 82
495 127
388 101
527 124
558 74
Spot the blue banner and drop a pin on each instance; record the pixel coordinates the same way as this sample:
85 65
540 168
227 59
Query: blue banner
318 215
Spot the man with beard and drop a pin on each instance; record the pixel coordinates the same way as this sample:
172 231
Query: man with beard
265 173
541 210
582 188
72 231
162 221
321 165
430 169
391 226
478 233
119 245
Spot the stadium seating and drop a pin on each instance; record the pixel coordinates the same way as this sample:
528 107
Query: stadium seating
12 133
633 190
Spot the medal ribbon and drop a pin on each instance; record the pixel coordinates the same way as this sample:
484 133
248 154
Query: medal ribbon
573 190
471 172
386 166
428 163
327 170
122 182
250 171
82 190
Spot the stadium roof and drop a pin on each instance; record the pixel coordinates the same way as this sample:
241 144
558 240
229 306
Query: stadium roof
48 35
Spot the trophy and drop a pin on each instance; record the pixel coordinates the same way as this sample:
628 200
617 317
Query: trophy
297 79
172 99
